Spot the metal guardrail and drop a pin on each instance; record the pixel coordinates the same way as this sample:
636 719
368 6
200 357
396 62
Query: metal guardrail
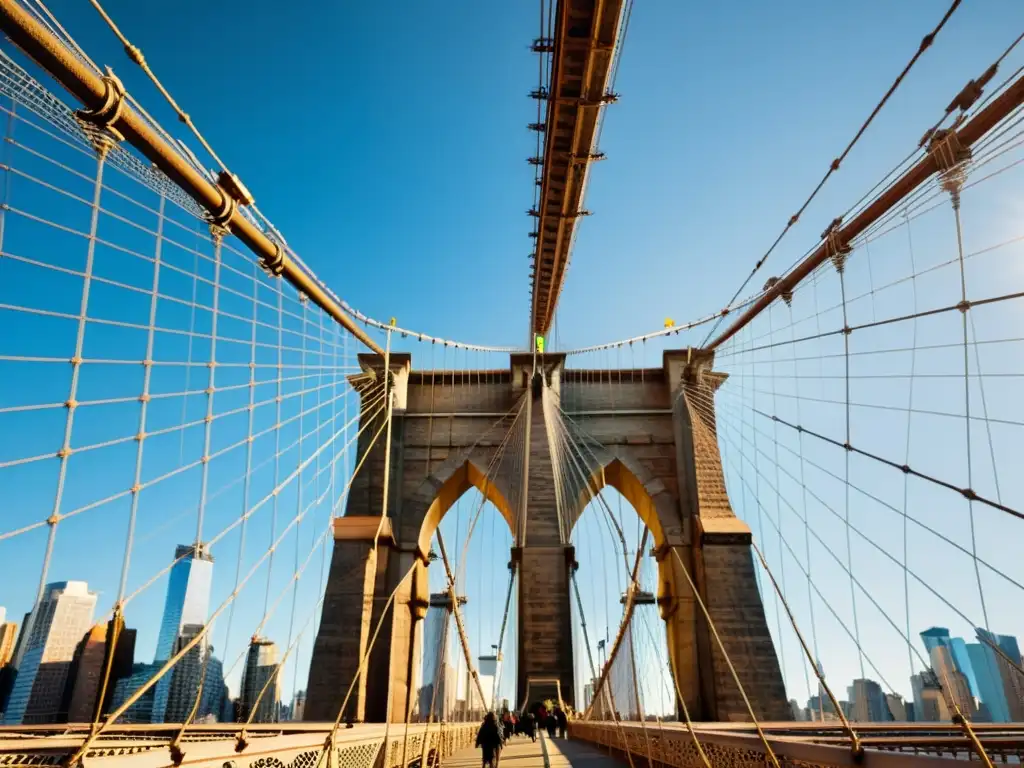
280 745
736 745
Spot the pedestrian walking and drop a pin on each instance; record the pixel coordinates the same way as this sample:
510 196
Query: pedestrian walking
530 726
489 740
562 720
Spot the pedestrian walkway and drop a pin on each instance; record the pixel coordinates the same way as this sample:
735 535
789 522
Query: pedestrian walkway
520 752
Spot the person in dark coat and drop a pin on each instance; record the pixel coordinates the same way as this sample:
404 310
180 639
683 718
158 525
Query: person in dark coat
530 726
562 721
488 738
552 723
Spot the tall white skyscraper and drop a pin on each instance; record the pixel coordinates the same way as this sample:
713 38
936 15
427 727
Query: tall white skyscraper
487 668
438 692
57 624
187 604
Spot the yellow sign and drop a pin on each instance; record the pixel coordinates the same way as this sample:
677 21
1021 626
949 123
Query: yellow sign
540 344
669 322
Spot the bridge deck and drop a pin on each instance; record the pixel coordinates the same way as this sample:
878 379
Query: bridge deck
545 753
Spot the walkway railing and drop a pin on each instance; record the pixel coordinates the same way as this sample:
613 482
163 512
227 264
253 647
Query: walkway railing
291 745
738 745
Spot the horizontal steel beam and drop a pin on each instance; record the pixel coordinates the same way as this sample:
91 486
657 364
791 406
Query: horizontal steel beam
586 32
969 133
499 414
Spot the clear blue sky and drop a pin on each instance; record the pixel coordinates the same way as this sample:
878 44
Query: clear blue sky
390 146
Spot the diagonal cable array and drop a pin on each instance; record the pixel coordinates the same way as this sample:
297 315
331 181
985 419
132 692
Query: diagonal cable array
168 389
982 116
868 428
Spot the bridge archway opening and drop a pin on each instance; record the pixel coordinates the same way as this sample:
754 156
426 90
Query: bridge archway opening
476 523
455 485
607 533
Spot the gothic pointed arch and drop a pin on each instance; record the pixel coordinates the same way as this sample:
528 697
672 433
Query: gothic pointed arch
648 495
447 484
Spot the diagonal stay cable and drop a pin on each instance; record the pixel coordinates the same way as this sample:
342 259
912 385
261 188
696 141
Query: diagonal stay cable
329 741
958 718
967 493
895 560
906 516
926 42
199 636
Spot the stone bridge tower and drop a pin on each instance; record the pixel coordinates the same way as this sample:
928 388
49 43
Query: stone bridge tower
656 443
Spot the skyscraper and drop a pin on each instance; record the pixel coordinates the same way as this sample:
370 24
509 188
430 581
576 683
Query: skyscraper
938 637
10 672
488 671
229 707
929 703
8 635
908 706
212 703
187 604
897 707
260 668
1002 672
868 702
990 683
933 637
57 623
948 675
439 690
142 710
183 677
820 709
819 706
298 705
8 639
958 647
86 676
120 643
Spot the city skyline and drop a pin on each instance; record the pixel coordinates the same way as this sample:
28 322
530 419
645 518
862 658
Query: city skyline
50 636
957 667
980 678
55 671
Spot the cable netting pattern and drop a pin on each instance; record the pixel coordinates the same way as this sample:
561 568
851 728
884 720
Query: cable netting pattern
163 401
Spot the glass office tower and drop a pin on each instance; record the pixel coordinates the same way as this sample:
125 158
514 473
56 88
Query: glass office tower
187 604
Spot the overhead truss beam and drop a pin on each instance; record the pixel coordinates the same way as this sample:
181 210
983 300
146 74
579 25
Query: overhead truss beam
582 50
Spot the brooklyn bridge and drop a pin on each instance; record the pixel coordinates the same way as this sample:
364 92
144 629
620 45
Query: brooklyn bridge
784 530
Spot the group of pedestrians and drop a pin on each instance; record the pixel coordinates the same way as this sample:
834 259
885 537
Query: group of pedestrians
493 735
